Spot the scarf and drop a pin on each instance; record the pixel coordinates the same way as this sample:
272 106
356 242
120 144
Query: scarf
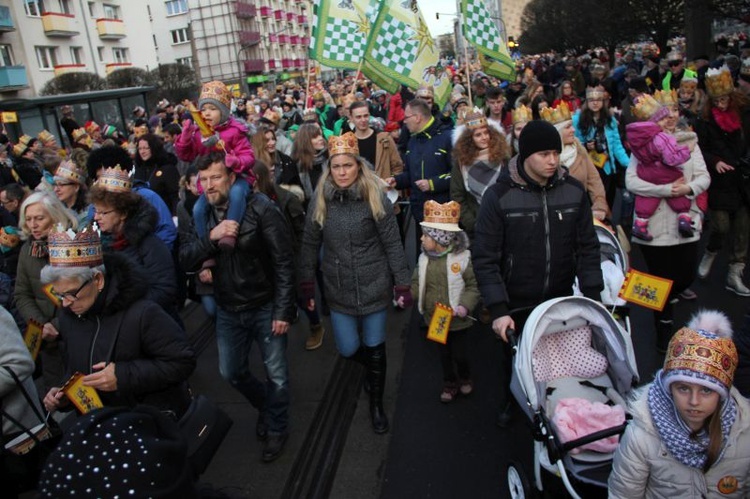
305 176
728 120
39 248
568 155
479 176
676 434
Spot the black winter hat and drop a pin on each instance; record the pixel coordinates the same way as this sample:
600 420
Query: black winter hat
639 84
120 451
538 135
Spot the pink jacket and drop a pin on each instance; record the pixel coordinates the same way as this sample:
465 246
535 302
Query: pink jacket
240 156
655 149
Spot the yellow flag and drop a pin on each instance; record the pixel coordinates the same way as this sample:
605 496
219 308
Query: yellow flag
84 398
646 290
33 337
440 323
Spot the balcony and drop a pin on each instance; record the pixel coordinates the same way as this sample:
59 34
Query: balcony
294 39
249 38
245 10
302 20
114 66
265 11
284 39
57 24
304 40
62 69
278 14
110 29
13 78
274 64
6 21
299 63
290 16
254 65
286 63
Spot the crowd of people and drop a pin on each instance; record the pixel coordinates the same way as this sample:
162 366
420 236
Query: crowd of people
265 206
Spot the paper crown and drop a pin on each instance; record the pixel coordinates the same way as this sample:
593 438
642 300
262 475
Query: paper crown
115 180
702 354
667 98
442 216
473 119
78 134
217 91
595 93
719 82
646 107
70 249
140 131
289 100
20 149
557 114
69 171
9 237
521 114
271 116
25 139
310 115
675 55
348 100
425 91
345 144
318 96
91 127
45 137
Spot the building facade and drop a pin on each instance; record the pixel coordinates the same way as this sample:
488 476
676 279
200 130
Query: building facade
512 12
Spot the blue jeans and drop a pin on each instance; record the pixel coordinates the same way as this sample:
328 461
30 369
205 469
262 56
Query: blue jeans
237 203
347 336
235 332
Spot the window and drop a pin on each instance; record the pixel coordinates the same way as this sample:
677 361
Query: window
76 55
120 54
6 55
187 61
46 57
175 7
181 35
92 9
111 11
62 6
100 52
33 8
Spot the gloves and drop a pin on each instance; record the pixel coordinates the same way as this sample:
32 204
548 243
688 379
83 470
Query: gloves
230 159
307 291
460 311
403 296
209 142
187 130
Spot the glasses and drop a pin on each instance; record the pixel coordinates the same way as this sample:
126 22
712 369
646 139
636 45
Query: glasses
72 295
62 184
102 213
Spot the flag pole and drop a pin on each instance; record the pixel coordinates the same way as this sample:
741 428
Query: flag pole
359 70
309 59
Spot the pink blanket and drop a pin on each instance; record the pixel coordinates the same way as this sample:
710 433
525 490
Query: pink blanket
575 418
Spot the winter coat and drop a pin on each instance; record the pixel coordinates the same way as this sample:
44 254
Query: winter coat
31 301
15 355
260 270
467 200
644 468
362 257
162 176
29 171
143 247
586 173
663 223
388 162
428 156
532 241
285 170
616 153
185 228
233 134
152 356
659 155
742 342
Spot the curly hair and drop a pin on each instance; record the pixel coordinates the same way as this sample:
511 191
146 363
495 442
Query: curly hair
466 152
124 203
737 102
158 154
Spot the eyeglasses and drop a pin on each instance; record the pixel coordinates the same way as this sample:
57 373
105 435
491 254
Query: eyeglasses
72 295
102 213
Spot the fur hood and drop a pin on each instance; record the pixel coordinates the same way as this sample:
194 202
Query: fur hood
140 224
124 284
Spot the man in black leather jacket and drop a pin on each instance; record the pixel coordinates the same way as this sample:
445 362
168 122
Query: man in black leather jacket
254 290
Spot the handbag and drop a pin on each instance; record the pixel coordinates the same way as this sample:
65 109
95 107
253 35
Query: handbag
23 454
205 426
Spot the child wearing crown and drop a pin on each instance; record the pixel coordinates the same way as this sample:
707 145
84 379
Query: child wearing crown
659 159
444 274
228 135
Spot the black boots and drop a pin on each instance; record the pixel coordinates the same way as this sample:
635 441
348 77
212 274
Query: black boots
376 364
664 330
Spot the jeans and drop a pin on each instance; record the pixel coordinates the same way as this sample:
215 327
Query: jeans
737 226
235 332
209 305
237 203
346 335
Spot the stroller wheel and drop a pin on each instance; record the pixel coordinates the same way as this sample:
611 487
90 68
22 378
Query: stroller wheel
518 484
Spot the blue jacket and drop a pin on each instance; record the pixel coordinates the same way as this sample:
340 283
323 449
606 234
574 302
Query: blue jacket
428 156
616 151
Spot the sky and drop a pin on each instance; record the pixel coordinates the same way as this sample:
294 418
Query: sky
445 23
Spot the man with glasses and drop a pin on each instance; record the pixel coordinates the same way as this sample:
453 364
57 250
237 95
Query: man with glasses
11 197
677 71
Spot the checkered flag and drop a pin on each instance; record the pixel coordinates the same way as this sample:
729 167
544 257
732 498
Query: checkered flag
482 32
395 49
337 40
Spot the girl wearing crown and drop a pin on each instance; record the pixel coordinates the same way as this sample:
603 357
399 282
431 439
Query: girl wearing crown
353 221
690 433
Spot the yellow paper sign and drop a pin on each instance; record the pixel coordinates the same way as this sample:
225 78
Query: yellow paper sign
47 290
84 398
440 323
33 337
9 117
646 290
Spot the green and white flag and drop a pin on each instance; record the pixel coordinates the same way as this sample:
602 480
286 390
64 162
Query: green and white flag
481 31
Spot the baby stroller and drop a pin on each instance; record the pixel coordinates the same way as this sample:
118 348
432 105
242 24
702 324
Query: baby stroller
572 355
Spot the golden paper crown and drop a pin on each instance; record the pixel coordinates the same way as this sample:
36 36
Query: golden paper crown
345 144
25 139
348 100
318 96
78 134
20 149
216 90
557 114
595 93
70 249
715 356
521 114
473 119
9 237
645 107
271 116
115 180
667 98
442 216
45 137
310 115
425 91
69 171
719 82
140 131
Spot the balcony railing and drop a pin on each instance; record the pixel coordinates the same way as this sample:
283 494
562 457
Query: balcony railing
284 39
290 17
266 11
245 10
254 65
304 40
13 78
110 29
6 21
273 37
274 64
62 69
57 24
114 66
294 39
286 63
278 15
302 20
249 38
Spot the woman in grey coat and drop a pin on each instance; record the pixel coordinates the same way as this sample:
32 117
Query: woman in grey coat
351 218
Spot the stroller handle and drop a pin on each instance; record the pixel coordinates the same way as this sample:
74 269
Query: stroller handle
512 338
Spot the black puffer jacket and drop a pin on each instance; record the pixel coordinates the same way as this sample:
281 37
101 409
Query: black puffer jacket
741 339
532 241
261 267
162 177
152 356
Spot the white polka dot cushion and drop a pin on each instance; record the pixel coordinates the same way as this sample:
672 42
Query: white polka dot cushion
567 353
